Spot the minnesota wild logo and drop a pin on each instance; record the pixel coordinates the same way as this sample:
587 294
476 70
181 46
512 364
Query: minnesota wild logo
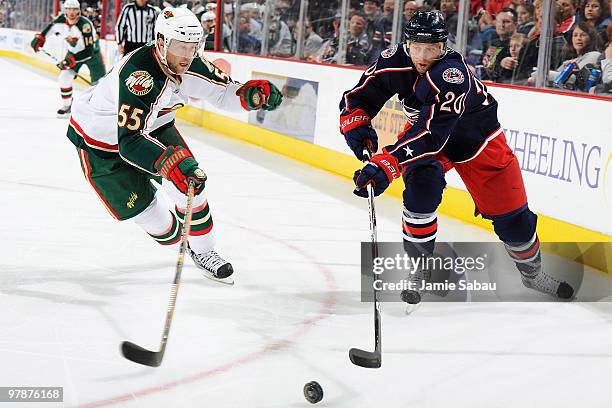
132 201
72 41
139 83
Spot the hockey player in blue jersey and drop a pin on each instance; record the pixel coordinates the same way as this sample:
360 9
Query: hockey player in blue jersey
452 123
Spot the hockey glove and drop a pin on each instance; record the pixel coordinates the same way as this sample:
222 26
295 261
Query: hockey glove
259 94
178 165
67 63
356 127
380 172
38 42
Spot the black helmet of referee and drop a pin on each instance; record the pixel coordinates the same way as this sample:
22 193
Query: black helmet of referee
426 27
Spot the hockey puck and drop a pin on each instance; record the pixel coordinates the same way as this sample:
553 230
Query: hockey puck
313 392
412 297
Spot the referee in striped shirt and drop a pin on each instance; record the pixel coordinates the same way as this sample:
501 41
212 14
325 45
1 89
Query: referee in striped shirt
135 26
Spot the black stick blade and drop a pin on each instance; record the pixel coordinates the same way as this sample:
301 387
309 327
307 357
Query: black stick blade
137 354
366 359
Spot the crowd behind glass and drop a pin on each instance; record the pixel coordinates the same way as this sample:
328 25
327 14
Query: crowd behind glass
501 39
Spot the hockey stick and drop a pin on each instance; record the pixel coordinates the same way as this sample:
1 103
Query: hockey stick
364 358
134 352
57 62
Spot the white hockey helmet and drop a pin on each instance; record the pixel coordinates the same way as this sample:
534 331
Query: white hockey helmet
71 4
209 16
177 24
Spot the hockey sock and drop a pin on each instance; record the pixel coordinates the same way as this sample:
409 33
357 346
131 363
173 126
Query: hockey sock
170 236
526 255
201 237
420 232
66 96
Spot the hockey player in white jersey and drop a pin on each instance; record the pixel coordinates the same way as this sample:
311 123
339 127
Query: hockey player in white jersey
125 134
83 48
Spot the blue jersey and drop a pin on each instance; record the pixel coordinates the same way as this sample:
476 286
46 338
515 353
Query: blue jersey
452 110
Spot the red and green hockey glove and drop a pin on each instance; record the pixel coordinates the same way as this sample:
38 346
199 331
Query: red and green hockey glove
38 42
259 94
67 63
178 165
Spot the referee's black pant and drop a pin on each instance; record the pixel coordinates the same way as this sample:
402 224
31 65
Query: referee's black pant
131 46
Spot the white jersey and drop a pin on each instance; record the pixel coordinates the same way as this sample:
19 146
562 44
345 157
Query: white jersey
139 96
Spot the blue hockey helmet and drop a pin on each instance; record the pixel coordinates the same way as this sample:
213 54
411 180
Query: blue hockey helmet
426 27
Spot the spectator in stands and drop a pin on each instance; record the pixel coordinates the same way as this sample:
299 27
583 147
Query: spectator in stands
449 11
524 14
507 72
251 11
567 16
312 42
582 50
208 23
528 57
597 14
410 7
329 49
499 48
384 30
359 45
606 67
246 42
280 41
371 11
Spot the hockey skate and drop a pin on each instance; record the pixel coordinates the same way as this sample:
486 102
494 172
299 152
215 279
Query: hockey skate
413 296
63 112
534 277
213 266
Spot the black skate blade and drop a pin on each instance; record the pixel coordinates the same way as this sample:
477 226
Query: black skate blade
366 359
137 354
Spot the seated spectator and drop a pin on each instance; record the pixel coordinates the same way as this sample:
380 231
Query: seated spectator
606 72
449 11
499 48
507 66
524 14
567 16
384 30
252 13
246 42
359 46
371 12
410 7
329 49
528 57
312 42
208 23
486 18
582 51
280 41
597 14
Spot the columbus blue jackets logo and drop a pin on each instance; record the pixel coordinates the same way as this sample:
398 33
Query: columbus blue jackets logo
453 76
389 52
139 83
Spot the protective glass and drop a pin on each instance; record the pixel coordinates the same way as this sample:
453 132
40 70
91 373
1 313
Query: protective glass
425 51
182 49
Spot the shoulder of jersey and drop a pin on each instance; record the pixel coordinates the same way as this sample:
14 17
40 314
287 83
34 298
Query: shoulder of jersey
450 71
85 25
203 68
61 18
393 57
